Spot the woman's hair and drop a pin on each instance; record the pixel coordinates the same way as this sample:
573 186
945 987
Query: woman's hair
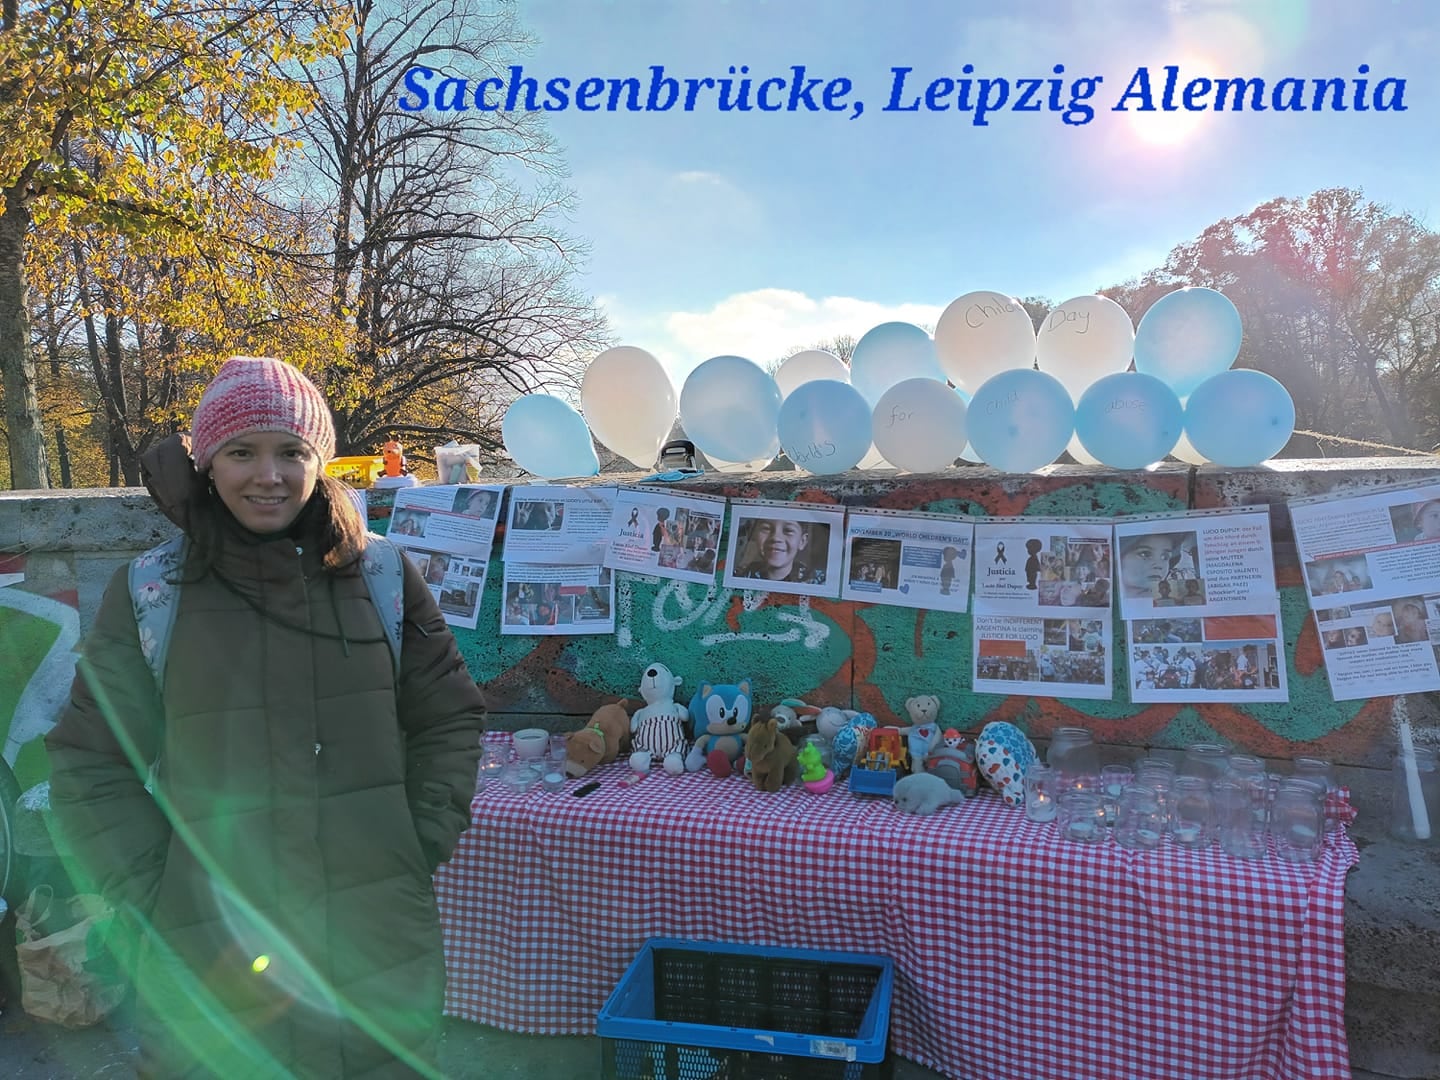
330 517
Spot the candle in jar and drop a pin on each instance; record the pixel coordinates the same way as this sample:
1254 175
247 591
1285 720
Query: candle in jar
1113 790
1041 808
1302 835
1081 829
1187 834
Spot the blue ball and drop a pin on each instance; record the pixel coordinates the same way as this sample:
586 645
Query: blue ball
1020 420
547 437
1129 420
824 426
1186 337
1240 418
730 407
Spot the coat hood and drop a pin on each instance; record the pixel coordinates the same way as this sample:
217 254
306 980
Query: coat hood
169 475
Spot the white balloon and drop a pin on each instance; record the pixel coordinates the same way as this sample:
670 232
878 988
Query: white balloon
919 425
1077 450
1083 340
1184 450
982 334
738 466
629 403
874 460
808 366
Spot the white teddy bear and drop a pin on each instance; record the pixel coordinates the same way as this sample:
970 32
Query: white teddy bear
657 730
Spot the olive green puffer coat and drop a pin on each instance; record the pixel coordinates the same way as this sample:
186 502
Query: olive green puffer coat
279 880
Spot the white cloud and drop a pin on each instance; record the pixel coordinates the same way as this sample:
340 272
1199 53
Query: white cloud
762 325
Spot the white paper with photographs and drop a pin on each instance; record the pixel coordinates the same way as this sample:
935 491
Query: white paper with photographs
1042 566
1210 562
1371 565
908 560
448 532
1195 658
552 523
785 547
1038 657
670 534
548 599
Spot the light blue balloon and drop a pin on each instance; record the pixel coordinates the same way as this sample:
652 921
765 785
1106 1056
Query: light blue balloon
1239 418
730 407
1020 420
1129 420
825 426
548 438
1186 337
890 353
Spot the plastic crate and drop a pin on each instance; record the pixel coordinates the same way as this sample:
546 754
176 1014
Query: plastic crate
699 1010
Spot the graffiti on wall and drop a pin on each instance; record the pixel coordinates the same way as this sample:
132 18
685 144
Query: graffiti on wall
36 669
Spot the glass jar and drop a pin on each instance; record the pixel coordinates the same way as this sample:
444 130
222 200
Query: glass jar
1206 760
1318 770
1192 812
1113 779
1041 790
1241 832
1074 757
1139 818
1297 821
1081 817
1412 818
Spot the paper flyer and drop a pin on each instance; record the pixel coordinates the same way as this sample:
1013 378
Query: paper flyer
1036 566
785 547
448 531
1039 657
1371 565
908 560
1212 562
551 599
1216 658
670 534
551 523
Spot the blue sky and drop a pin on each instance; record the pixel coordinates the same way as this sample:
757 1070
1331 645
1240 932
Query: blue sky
757 233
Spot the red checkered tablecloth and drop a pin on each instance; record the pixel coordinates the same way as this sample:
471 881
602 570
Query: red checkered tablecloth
1017 953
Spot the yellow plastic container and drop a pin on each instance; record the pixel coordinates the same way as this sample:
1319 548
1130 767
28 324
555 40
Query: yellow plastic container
358 472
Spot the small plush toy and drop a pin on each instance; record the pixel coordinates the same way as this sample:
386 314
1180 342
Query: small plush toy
813 773
847 731
923 794
721 715
769 756
953 760
1004 755
657 729
598 742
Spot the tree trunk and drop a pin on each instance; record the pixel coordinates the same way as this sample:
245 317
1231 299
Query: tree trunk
120 402
28 467
52 351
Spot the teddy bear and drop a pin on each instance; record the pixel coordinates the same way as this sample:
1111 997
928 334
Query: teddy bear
657 730
721 714
769 756
598 742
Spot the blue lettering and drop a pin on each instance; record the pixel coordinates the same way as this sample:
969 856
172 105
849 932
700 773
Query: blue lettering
413 85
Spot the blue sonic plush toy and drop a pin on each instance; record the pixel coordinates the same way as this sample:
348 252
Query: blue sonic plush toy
721 714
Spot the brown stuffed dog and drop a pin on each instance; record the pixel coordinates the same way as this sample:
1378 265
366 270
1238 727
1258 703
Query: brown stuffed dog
598 742
769 756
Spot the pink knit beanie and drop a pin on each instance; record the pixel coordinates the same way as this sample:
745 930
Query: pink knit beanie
253 393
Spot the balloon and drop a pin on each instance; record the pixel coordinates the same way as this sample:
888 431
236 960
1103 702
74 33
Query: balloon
1186 337
1129 420
1239 418
1020 420
874 460
758 465
547 437
919 425
729 407
1076 449
1184 450
982 334
1085 339
825 426
629 403
808 366
890 353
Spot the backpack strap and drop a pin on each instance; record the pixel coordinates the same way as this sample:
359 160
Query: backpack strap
155 600
385 578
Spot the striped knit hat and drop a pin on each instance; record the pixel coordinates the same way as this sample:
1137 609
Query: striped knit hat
253 393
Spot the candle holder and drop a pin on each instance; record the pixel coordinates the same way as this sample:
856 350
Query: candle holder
1041 791
1082 817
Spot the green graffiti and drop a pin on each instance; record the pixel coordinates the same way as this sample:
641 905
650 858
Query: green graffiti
27 640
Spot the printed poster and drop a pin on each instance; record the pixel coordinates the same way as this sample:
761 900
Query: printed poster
667 533
551 523
448 532
547 599
908 560
1043 623
1197 591
785 547
1371 565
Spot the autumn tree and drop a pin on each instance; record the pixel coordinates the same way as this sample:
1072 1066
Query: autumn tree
446 255
156 96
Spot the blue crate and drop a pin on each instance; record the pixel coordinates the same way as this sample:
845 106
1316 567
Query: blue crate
698 1010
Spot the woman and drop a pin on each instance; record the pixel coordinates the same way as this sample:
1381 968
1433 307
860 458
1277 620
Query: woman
777 547
273 896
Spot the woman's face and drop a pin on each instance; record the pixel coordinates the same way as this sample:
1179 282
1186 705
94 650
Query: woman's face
779 544
1145 563
265 479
